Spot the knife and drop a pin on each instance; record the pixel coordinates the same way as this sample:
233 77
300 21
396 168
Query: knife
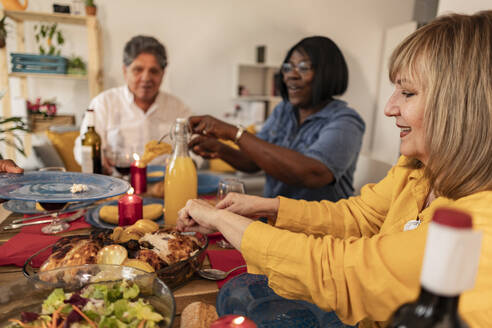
48 213
70 218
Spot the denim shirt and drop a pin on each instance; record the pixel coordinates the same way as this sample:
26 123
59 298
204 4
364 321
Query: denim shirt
332 136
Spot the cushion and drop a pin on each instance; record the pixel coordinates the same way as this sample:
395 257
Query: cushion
47 154
64 143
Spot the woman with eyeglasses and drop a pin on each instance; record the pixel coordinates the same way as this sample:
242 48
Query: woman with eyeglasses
309 146
361 257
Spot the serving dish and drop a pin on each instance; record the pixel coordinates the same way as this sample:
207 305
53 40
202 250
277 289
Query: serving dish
92 215
29 207
207 183
54 187
173 275
250 296
156 177
28 294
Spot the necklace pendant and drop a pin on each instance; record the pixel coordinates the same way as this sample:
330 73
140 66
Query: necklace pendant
411 225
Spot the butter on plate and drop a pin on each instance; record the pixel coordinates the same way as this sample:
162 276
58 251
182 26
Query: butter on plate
156 174
109 213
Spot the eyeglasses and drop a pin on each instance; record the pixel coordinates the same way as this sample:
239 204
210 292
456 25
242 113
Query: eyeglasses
301 68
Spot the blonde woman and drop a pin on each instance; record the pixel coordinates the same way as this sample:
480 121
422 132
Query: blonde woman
362 257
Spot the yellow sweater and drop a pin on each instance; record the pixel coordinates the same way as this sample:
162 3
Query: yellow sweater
353 256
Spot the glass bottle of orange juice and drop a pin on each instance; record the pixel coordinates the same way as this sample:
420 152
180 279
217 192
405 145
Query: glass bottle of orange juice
180 182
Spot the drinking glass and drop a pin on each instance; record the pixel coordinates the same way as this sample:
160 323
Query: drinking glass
120 158
226 186
56 225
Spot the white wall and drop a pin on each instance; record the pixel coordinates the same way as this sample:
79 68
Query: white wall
205 39
464 7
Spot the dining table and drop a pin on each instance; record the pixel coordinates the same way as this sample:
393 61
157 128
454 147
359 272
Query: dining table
195 289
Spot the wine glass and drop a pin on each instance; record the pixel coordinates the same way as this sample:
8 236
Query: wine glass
56 224
120 158
226 186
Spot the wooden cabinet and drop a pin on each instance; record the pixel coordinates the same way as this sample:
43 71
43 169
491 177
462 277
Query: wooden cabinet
255 83
94 75
40 123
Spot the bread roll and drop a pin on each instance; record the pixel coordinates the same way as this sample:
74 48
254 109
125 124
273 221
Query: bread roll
109 213
198 315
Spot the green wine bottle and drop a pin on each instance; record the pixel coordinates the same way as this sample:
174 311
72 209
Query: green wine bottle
91 147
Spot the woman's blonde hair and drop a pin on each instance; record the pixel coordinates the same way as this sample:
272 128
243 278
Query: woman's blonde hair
451 58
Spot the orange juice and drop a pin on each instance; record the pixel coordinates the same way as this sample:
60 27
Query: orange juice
180 184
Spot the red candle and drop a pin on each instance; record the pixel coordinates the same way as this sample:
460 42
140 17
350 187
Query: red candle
138 173
233 321
130 209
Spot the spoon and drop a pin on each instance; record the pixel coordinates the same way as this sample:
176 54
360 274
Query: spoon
214 274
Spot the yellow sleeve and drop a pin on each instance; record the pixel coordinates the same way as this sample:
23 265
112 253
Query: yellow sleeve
357 216
356 277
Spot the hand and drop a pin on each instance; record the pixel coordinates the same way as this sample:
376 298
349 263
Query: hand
197 215
205 147
9 166
250 206
212 127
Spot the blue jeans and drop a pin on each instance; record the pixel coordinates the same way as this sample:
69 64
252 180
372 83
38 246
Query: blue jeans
250 296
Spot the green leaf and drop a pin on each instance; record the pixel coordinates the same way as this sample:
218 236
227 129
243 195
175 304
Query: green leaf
41 50
52 50
52 31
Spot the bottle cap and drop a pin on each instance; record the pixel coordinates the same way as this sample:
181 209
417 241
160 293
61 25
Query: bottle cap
452 218
452 253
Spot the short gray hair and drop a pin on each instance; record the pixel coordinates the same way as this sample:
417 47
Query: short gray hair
144 44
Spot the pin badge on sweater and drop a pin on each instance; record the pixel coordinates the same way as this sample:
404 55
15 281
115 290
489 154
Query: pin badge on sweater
411 225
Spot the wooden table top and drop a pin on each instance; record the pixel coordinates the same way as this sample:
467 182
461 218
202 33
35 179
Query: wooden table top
197 289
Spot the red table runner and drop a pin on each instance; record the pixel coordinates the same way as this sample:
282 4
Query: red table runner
30 240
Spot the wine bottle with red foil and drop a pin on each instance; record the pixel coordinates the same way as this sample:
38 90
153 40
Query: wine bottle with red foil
449 268
91 147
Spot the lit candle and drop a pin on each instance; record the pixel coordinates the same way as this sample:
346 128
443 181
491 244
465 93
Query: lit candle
130 209
233 321
138 172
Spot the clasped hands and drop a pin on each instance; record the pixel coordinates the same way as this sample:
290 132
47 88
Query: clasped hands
198 215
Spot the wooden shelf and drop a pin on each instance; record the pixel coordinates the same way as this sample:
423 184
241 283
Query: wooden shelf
94 77
46 17
50 76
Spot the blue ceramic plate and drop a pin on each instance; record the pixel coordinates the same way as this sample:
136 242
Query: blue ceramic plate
207 183
156 168
250 296
29 207
92 216
54 187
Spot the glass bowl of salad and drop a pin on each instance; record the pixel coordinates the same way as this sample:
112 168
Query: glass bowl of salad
91 295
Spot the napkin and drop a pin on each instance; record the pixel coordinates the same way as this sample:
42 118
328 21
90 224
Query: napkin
30 240
226 260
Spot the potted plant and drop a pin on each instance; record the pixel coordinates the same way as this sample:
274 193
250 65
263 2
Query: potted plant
90 8
3 32
76 65
49 39
9 125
